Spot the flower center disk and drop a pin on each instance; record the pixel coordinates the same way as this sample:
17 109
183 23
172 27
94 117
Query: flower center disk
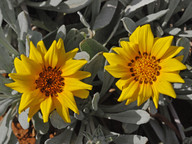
145 68
50 81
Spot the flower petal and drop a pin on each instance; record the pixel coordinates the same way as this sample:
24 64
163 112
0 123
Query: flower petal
83 94
62 110
33 110
122 82
161 46
46 107
146 39
129 91
171 52
51 57
118 71
165 87
20 67
41 48
80 75
155 96
72 66
113 58
134 37
72 84
172 77
171 65
144 94
35 54
30 99
61 53
66 98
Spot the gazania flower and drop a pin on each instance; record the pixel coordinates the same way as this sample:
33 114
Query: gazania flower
49 80
145 66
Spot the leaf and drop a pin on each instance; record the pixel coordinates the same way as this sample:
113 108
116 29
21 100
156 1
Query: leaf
131 139
151 17
106 14
82 19
95 101
58 122
8 13
79 116
1 18
130 116
183 88
72 40
82 55
186 15
187 33
80 136
172 31
185 42
4 104
136 4
95 7
172 6
129 24
3 88
129 128
92 47
64 137
61 32
40 126
68 6
185 97
93 66
22 118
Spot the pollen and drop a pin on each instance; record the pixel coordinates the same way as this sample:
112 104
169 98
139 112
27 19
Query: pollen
50 81
145 68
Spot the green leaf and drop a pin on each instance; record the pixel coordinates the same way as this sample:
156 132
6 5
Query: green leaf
8 13
131 116
186 15
136 4
22 118
58 122
40 126
95 101
129 24
172 6
72 40
64 137
92 47
172 31
95 7
68 6
185 42
106 14
61 32
151 17
131 139
93 66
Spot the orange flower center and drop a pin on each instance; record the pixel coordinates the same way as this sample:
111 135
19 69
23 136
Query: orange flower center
145 68
50 81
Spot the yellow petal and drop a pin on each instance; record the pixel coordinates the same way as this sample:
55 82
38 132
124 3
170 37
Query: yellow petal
171 52
72 84
61 53
180 58
71 53
161 46
155 96
46 107
33 110
144 94
23 83
130 100
83 94
122 82
146 39
172 77
80 75
130 50
66 98
129 91
30 99
20 67
35 54
118 71
172 65
135 35
41 48
31 66
165 87
62 110
51 57
113 58
72 66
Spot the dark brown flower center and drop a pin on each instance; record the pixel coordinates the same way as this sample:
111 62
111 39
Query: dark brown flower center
50 81
145 68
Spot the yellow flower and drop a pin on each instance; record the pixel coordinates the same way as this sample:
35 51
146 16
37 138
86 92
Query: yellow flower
49 80
145 66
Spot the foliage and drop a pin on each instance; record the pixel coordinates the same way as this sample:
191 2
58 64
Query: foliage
95 26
